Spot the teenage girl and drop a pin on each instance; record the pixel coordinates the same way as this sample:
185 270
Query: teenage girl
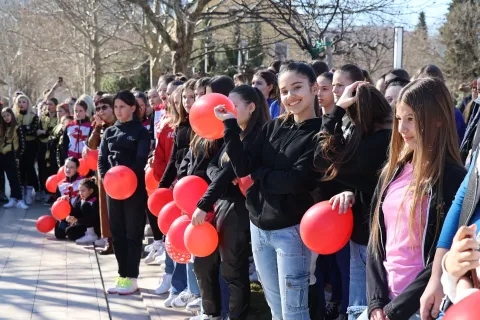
12 144
201 86
28 120
416 188
280 163
266 82
84 219
104 118
47 122
231 215
126 143
142 104
175 275
77 132
68 189
54 138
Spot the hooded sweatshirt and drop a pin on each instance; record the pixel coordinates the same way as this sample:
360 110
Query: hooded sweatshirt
280 162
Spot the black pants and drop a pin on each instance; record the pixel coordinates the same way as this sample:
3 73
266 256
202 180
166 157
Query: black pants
152 220
127 223
232 223
2 180
28 175
75 231
8 163
42 164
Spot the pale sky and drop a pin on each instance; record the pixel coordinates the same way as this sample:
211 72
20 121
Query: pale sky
434 10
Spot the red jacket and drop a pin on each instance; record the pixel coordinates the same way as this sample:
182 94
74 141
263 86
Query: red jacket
165 135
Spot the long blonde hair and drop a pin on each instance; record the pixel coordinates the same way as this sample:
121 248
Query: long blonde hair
16 109
437 143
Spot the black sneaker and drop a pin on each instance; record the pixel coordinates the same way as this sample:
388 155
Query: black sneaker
332 310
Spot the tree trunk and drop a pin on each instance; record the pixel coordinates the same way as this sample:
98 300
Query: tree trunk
155 70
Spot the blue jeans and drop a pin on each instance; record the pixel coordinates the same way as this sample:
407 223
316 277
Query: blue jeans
192 283
169 264
283 266
358 280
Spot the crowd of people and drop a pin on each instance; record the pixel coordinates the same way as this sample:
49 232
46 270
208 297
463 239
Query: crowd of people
399 153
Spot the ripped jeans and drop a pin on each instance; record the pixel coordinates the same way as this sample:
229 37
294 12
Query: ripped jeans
283 264
358 280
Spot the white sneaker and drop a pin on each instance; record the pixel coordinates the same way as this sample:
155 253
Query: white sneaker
116 284
21 205
150 257
87 239
128 286
165 285
160 258
182 300
148 248
205 317
11 203
101 242
168 302
195 305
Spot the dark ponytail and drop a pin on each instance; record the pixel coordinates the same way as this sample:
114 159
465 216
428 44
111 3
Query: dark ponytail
261 114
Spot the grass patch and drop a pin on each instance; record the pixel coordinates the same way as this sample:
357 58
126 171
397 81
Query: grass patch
259 309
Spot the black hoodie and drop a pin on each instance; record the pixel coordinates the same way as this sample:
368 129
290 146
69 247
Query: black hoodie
221 174
125 144
280 163
181 142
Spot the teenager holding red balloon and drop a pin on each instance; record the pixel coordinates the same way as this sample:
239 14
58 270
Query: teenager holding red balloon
416 188
84 218
12 145
353 160
104 118
231 215
67 189
280 163
126 143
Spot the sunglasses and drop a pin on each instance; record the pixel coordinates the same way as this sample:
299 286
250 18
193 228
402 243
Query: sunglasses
103 107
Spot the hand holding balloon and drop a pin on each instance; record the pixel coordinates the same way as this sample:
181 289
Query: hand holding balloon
199 217
222 113
343 200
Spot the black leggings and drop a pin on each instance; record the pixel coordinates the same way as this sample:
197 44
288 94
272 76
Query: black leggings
28 175
8 163
127 223
232 223
152 220
42 164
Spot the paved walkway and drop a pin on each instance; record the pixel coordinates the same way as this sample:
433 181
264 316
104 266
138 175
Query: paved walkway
43 278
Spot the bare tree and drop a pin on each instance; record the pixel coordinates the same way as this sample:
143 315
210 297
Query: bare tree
308 22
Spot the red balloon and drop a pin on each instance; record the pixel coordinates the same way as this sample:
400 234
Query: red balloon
91 159
150 183
187 192
175 255
52 183
120 182
61 209
202 240
176 233
245 183
83 169
159 199
46 224
202 117
61 173
324 230
465 309
169 213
